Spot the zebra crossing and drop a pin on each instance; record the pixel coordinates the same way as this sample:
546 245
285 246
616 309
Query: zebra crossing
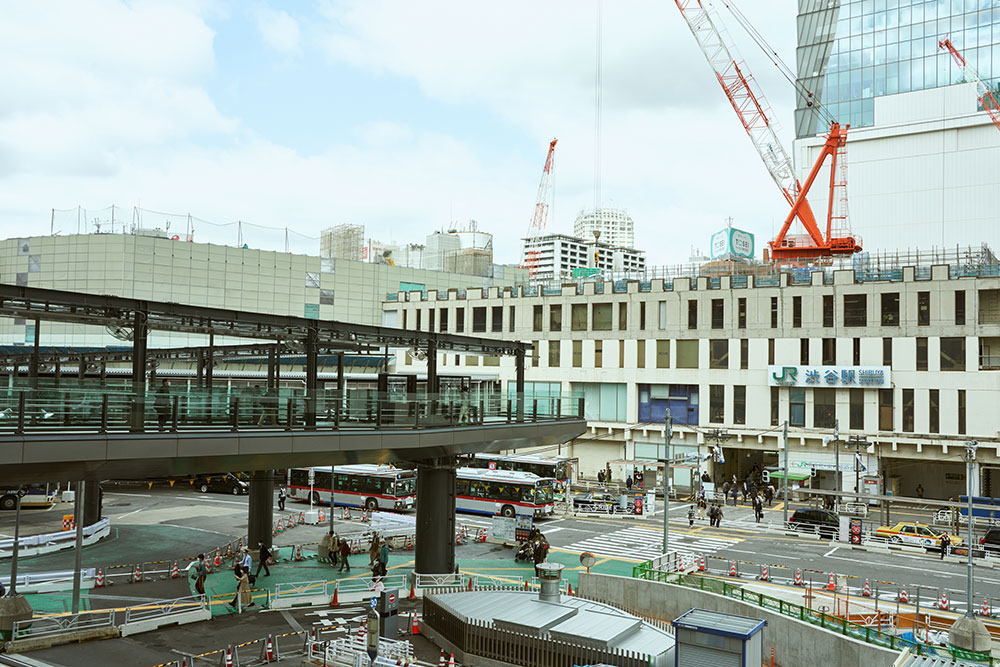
638 543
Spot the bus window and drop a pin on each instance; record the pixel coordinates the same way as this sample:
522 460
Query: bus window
322 479
299 477
461 487
527 494
407 487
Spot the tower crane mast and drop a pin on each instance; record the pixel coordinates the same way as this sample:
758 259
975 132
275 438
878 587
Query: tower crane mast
540 216
982 90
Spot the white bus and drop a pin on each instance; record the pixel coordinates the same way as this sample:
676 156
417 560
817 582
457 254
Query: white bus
557 468
366 485
504 492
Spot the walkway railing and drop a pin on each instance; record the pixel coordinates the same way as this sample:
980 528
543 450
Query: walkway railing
50 626
115 409
863 633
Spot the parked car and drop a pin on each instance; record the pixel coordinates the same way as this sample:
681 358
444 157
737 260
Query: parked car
991 541
918 534
228 482
824 522
597 502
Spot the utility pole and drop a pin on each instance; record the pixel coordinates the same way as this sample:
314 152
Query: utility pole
970 463
668 434
857 441
969 632
836 439
784 482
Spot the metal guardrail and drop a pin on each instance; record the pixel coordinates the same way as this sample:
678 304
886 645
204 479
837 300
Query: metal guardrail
50 626
164 608
303 589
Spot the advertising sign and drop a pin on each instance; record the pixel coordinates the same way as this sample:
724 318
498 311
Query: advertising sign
830 376
734 242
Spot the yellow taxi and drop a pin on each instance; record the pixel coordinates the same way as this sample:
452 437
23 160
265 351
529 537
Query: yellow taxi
919 534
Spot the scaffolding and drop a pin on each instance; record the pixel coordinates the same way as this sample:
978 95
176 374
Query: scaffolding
342 242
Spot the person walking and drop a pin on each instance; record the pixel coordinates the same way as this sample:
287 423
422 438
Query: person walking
769 494
725 492
373 550
718 516
383 558
702 504
711 515
945 543
345 551
269 407
628 482
758 509
691 516
920 490
200 573
161 403
324 551
600 477
736 491
463 410
282 496
264 554
246 561
242 589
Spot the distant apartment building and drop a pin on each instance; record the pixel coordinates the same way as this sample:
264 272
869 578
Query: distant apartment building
559 255
615 225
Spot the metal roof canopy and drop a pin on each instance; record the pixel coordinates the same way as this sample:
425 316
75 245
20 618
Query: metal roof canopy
719 623
21 354
103 310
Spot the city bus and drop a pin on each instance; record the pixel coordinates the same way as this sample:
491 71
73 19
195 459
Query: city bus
555 468
505 492
366 485
37 496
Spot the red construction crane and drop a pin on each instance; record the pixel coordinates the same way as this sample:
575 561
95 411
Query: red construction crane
755 114
982 91
537 228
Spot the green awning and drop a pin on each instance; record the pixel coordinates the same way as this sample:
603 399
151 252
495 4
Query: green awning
792 476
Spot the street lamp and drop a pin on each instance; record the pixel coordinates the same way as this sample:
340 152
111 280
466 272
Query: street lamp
857 441
668 433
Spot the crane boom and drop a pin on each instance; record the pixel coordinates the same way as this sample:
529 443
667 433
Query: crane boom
982 91
540 215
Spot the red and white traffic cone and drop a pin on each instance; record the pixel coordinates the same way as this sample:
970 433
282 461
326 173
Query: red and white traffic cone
943 603
269 650
218 560
302 518
986 608
298 553
99 579
364 515
765 575
732 568
443 662
867 590
347 514
175 571
322 515
832 584
136 575
701 563
451 660
414 626
798 577
903 597
229 656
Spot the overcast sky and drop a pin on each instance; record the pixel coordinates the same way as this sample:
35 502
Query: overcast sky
402 116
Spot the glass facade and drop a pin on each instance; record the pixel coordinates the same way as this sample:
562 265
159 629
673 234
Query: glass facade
851 52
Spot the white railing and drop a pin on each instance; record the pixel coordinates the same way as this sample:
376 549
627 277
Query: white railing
349 650
49 626
64 537
432 580
304 589
163 608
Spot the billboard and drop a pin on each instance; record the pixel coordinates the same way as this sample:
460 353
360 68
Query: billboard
732 242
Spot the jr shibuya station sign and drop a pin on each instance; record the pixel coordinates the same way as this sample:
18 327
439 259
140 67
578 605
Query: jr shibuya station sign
859 377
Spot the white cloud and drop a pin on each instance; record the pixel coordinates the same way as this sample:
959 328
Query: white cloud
278 29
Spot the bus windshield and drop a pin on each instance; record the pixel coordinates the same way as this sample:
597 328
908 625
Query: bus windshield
405 487
543 492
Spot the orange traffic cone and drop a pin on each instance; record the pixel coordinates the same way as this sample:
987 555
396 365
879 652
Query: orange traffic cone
414 626
732 568
867 590
218 561
701 563
943 603
413 589
832 585
335 602
525 584
443 662
903 597
570 589
798 577
99 579
175 571
451 660
229 656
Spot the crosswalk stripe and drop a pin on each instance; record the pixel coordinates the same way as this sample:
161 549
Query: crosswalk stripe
642 543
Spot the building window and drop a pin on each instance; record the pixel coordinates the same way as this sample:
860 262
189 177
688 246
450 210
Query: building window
796 406
921 354
418 319
578 354
598 353
960 307
775 402
716 403
687 354
602 317
459 320
796 312
578 317
803 351
908 411
830 351
739 404
744 354
534 354
885 410
961 412
430 319
510 318
554 353
497 323
774 312
623 316
857 411
718 357
824 408
555 317
857 352
471 360
642 315
717 314
827 310
741 313
443 319
662 312
855 310
536 318
404 318
692 314
887 352
663 354
923 309
621 353
640 354
890 309
770 351
952 354
478 320
934 411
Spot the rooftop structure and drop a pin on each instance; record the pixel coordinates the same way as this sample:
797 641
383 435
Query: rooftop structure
342 242
615 225
560 257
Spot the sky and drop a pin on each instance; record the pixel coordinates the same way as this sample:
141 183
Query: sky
406 117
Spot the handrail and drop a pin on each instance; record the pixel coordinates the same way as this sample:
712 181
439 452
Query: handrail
47 626
646 571
163 608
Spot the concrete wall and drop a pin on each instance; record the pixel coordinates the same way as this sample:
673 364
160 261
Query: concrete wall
795 642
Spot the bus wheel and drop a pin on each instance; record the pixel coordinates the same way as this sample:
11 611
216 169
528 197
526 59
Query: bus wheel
507 511
315 498
371 505
8 502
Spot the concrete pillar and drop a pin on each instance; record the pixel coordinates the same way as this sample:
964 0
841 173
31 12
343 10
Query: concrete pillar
139 336
519 383
312 375
261 508
35 360
435 547
92 503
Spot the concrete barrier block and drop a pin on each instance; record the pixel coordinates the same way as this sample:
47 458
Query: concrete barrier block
37 643
157 622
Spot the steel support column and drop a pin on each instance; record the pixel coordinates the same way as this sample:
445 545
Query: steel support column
35 361
341 387
312 379
210 363
435 543
519 382
92 503
140 333
261 508
272 363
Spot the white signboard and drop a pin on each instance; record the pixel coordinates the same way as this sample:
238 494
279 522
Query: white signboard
503 528
830 376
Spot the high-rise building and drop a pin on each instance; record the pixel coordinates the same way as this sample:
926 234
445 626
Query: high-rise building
615 225
921 152
560 257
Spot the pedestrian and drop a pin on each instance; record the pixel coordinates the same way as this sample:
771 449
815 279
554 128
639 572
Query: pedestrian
711 515
718 517
628 482
945 543
264 554
702 503
736 491
758 509
640 476
243 588
345 551
258 403
161 403
373 550
463 412
769 494
383 558
691 517
246 562
282 496
705 477
725 490
600 477
538 554
920 490
269 407
200 573
324 551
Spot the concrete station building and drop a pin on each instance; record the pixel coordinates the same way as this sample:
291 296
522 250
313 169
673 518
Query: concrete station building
908 357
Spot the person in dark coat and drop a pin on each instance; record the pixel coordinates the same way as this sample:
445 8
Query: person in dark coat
264 554
628 482
345 551
161 403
